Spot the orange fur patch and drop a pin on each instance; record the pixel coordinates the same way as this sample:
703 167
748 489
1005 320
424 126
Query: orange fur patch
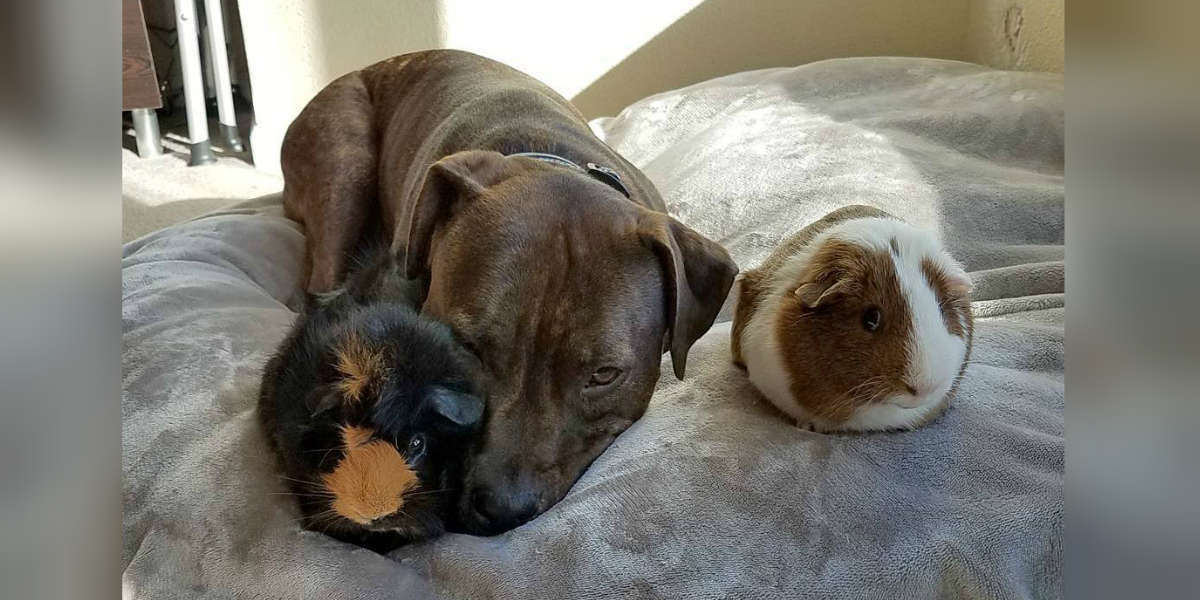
361 368
370 480
353 437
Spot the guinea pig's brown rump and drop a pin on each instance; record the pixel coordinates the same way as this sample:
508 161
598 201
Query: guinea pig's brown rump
749 290
955 303
835 365
953 299
370 480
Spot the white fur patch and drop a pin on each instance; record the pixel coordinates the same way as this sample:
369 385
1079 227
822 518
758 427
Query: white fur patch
886 416
764 359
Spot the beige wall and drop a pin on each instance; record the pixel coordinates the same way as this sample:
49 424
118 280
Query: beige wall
567 44
296 47
1016 34
605 55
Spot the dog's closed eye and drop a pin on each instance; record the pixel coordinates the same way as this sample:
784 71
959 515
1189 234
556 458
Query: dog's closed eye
603 376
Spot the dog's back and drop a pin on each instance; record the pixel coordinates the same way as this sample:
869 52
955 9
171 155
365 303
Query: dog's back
467 102
356 156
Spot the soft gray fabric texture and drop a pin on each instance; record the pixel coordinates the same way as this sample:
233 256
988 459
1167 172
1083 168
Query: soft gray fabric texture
712 493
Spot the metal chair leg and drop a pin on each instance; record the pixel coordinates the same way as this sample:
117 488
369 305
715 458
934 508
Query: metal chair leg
193 82
145 130
220 69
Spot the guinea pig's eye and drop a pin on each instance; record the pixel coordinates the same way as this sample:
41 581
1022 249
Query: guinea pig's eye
416 446
871 318
604 376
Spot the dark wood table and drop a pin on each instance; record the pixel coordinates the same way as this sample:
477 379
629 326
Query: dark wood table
139 82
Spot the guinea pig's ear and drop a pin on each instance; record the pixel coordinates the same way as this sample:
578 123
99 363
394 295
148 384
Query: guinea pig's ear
814 294
699 273
322 400
461 409
460 176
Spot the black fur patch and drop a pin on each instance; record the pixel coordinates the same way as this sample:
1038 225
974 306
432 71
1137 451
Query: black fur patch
424 367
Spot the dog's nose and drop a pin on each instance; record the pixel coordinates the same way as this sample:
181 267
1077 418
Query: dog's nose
499 512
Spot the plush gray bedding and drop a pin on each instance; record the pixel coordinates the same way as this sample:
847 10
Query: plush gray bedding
711 493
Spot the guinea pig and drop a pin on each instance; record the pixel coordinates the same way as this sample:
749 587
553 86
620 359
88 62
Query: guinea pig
370 408
859 322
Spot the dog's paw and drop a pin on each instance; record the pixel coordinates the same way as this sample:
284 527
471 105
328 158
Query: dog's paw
806 425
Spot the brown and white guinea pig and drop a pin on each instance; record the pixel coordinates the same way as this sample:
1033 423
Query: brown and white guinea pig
859 322
370 407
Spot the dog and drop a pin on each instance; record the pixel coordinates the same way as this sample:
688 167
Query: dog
549 255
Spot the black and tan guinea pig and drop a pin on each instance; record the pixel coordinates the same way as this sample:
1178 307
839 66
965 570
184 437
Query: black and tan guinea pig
370 407
859 322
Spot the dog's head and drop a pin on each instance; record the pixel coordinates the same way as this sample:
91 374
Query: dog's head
568 294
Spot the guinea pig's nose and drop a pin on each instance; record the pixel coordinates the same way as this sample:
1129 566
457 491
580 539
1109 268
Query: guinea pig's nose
499 512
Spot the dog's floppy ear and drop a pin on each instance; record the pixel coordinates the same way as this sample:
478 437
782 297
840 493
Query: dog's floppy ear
698 273
460 176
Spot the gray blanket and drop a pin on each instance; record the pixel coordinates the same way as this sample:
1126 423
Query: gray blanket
711 494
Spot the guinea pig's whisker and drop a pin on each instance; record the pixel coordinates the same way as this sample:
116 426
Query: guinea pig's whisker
880 394
325 519
304 481
427 492
878 387
323 515
868 384
325 456
871 381
321 520
852 397
293 479
312 488
866 398
312 494
328 524
861 385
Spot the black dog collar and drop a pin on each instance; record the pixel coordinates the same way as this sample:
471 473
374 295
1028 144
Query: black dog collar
603 174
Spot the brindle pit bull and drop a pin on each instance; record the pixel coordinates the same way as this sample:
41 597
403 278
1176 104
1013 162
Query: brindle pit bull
566 290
